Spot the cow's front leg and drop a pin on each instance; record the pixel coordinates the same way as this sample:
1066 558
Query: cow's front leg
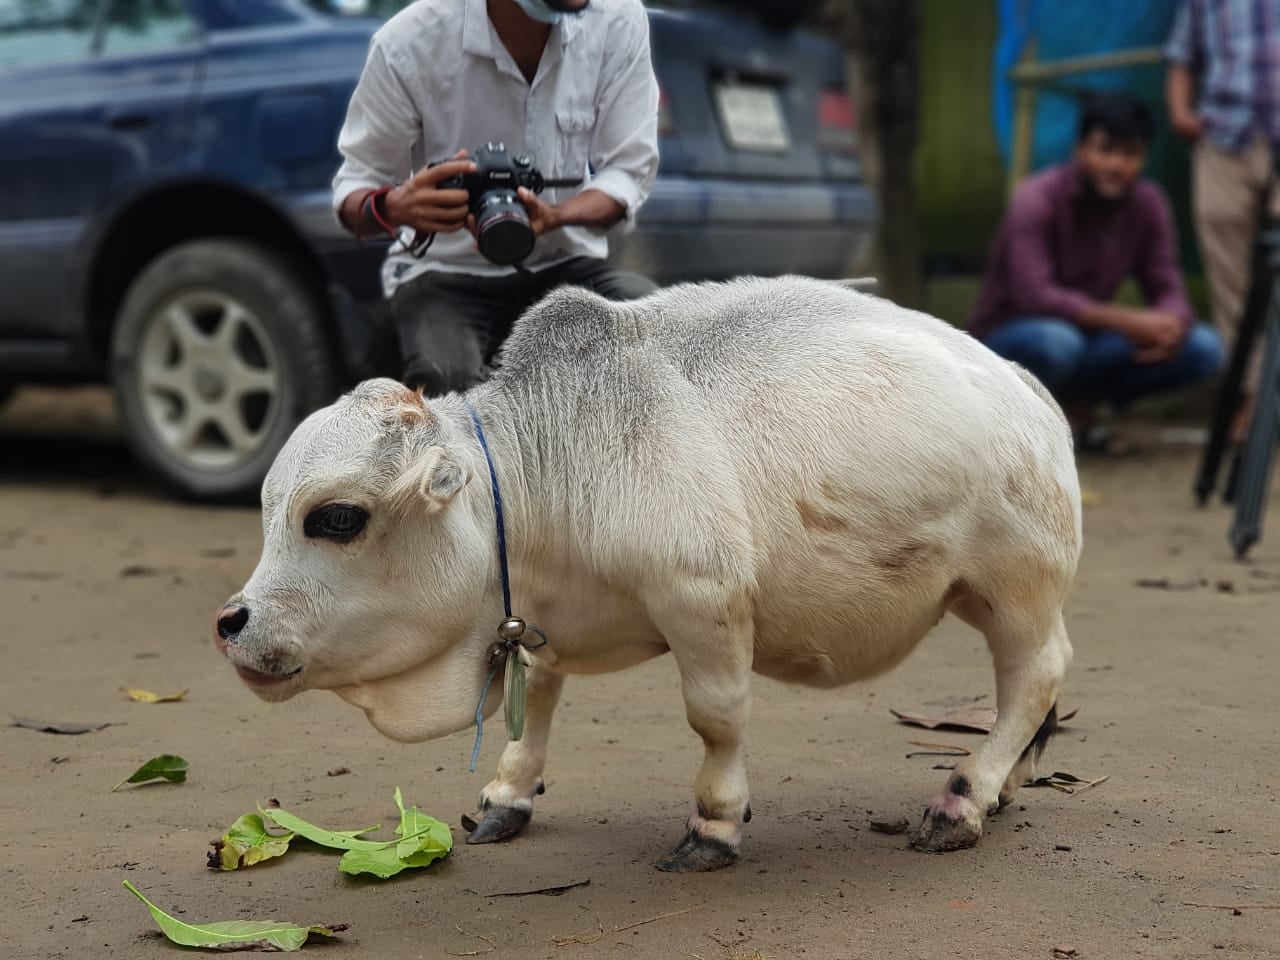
506 802
714 656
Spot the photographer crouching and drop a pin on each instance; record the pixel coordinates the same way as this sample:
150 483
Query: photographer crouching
469 120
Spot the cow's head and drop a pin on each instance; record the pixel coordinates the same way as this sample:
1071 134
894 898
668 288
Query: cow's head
376 564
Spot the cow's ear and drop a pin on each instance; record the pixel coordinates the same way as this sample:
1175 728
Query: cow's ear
433 479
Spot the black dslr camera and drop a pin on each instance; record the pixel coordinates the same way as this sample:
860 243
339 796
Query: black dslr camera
503 233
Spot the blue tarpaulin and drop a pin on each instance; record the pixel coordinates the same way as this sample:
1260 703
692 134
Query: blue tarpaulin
1077 29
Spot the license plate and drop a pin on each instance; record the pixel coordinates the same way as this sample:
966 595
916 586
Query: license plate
752 117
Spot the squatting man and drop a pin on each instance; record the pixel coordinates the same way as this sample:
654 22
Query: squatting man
568 84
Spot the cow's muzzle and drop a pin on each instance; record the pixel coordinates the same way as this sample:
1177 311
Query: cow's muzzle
266 670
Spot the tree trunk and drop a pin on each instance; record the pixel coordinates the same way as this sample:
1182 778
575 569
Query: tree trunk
881 37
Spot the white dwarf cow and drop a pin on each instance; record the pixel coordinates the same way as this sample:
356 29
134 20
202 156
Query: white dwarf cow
781 476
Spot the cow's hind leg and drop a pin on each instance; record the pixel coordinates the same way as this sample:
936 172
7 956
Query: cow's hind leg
506 802
1031 653
710 634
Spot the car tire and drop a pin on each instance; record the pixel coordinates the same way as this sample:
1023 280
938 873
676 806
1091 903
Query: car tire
218 352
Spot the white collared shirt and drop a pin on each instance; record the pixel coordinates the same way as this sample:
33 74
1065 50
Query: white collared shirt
438 79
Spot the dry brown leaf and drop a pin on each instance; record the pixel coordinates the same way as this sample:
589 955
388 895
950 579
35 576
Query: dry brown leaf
967 719
59 727
973 719
1165 583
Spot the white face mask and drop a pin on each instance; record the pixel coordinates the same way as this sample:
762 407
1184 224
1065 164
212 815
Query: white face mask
538 10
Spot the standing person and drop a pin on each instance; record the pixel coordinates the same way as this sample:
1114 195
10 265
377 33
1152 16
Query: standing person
569 82
1072 235
1222 90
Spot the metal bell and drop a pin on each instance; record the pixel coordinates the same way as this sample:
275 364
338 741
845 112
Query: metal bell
497 650
511 628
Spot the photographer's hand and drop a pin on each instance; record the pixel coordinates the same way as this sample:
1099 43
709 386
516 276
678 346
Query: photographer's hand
421 204
590 208
543 217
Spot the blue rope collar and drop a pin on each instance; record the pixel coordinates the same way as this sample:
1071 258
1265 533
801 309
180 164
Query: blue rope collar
511 629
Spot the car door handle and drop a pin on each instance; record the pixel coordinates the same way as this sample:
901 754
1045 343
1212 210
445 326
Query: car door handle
129 121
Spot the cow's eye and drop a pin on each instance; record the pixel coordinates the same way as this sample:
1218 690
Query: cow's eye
335 521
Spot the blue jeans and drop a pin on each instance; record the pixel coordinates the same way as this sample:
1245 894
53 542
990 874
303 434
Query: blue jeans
1099 365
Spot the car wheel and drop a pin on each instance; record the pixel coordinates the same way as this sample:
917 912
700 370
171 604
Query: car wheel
218 352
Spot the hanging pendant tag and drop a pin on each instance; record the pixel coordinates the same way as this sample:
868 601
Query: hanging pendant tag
513 695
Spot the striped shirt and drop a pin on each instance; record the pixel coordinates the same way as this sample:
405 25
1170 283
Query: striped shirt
1233 49
438 79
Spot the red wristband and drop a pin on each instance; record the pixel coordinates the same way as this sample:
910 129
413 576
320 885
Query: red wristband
370 201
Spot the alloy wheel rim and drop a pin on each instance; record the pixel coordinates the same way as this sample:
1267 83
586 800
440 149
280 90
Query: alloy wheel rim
210 380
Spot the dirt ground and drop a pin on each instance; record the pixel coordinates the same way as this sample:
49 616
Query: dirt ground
105 583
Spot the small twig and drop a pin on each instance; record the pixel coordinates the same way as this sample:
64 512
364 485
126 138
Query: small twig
578 937
1233 906
1049 782
661 916
477 936
1059 781
956 749
1093 783
940 750
545 891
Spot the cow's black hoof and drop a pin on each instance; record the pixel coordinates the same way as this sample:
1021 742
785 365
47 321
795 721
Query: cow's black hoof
697 854
496 823
941 831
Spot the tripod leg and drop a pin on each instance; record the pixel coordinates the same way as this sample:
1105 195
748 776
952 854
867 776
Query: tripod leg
1264 434
1232 483
1227 401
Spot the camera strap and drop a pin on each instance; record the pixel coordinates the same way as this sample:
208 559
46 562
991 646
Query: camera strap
417 245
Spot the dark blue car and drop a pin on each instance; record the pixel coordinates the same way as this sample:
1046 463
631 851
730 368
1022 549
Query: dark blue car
165 220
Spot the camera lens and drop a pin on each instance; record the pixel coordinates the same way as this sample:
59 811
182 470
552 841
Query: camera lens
502 227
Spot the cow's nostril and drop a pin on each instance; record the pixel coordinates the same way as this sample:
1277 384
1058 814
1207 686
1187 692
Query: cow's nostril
231 621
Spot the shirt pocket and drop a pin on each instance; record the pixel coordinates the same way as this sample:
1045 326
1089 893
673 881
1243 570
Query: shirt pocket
574 126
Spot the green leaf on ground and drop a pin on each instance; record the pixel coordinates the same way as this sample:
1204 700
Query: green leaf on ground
420 833
164 767
338 839
234 934
423 840
247 842
382 863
